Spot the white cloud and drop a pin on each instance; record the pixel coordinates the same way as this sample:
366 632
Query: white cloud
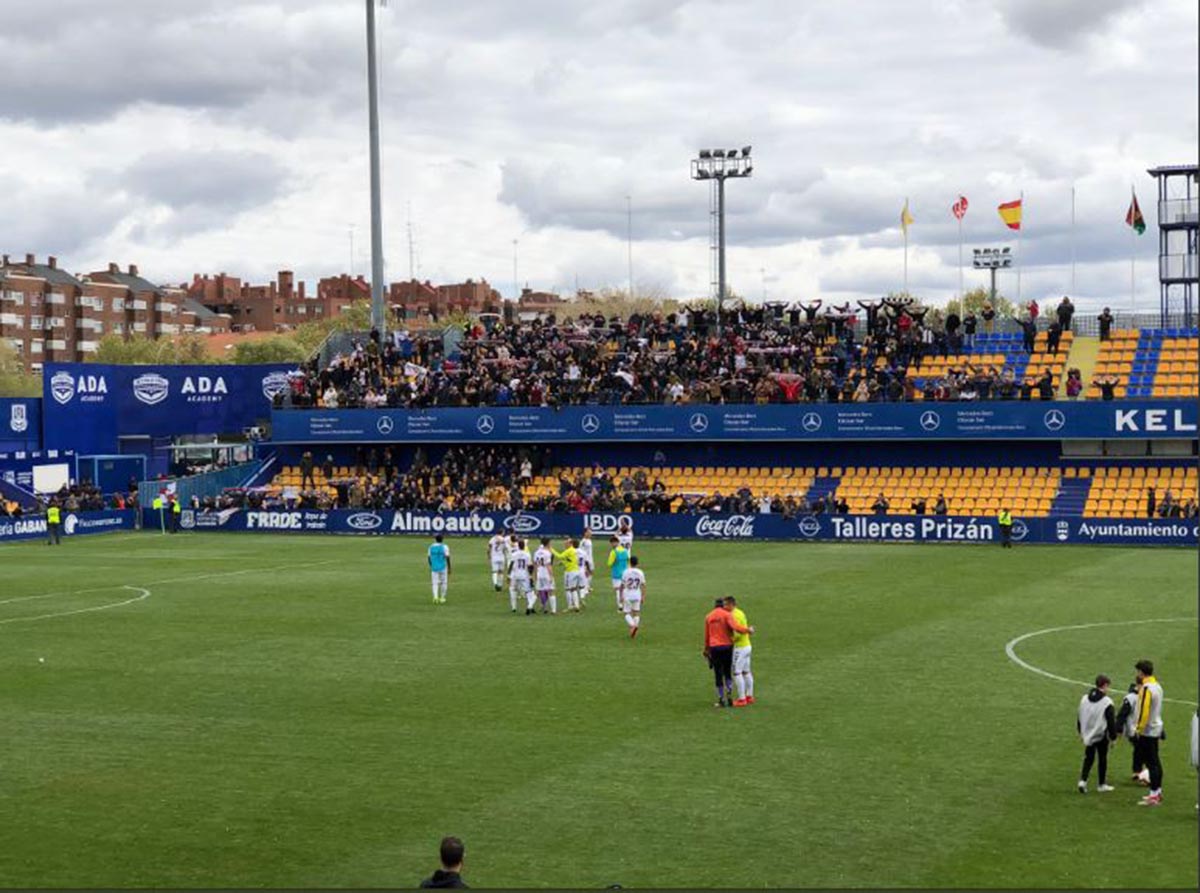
231 135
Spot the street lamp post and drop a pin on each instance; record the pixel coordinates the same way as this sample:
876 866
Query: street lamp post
992 259
516 282
720 165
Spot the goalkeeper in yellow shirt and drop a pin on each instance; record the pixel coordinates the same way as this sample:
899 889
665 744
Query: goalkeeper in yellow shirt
742 676
573 578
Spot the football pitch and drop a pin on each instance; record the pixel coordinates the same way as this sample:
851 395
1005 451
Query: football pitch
293 711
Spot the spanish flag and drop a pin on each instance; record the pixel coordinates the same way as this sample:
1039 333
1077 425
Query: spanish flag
1010 213
906 219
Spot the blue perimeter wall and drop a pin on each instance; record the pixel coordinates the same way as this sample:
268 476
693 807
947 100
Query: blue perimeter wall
20 424
74 524
991 420
737 528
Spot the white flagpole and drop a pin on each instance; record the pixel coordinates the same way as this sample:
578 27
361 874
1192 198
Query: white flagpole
1020 230
961 307
1072 240
904 226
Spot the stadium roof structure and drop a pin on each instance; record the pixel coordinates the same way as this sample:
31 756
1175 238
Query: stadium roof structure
1173 169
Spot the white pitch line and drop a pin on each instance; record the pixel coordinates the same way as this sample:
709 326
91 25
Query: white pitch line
145 593
1011 648
248 570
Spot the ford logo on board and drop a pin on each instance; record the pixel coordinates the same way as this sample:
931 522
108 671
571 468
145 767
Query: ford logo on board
364 521
522 523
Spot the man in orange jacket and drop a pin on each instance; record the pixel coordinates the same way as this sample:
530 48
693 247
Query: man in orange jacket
719 626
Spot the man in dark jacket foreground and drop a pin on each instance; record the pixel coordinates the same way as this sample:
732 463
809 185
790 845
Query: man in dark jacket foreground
450 874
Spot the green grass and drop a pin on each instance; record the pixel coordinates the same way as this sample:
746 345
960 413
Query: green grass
293 711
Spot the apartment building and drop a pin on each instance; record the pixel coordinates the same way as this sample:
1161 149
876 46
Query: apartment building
277 306
416 300
50 315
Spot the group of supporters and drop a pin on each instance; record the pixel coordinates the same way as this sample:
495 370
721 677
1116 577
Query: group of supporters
770 353
1139 720
464 478
493 479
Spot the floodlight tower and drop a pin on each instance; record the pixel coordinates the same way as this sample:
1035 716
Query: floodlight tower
378 314
992 259
1178 236
717 166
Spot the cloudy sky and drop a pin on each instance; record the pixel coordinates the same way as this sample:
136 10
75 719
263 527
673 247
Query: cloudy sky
230 135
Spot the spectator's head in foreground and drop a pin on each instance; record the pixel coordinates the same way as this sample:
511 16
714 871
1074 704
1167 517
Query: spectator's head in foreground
452 854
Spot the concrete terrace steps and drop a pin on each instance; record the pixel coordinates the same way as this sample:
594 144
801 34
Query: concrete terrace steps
1082 356
822 487
1071 498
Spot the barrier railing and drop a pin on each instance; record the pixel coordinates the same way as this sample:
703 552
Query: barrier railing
210 483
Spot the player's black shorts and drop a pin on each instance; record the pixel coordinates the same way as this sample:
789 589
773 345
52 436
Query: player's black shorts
721 657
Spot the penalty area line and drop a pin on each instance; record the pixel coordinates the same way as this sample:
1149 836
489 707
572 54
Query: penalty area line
145 594
1010 648
247 570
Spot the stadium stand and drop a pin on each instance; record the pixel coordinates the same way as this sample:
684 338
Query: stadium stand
1002 357
1037 491
1122 492
1150 363
761 359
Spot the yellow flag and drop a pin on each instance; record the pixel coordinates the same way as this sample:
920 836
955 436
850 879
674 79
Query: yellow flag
906 219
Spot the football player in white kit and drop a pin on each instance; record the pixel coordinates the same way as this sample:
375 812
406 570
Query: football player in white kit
543 563
519 563
633 590
587 564
625 535
497 555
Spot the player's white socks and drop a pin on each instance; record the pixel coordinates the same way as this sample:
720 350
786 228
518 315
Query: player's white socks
749 685
497 578
445 588
554 604
435 591
741 685
512 599
631 620
530 600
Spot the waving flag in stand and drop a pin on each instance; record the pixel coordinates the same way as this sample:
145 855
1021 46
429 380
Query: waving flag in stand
1134 216
959 210
1010 213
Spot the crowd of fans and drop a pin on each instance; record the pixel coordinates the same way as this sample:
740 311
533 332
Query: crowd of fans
493 478
770 353
462 479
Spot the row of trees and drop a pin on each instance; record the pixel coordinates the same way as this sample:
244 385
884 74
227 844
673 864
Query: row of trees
287 347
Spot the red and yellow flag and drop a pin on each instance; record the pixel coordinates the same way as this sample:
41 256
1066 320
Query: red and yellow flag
1010 213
